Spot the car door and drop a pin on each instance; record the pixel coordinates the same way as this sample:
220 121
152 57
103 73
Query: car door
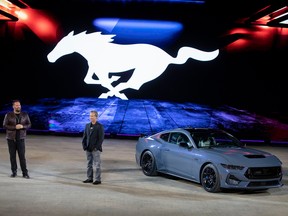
178 160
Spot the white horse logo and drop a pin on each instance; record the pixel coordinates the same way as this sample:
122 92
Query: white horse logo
104 57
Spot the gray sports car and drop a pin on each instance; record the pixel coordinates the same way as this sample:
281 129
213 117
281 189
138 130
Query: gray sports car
211 157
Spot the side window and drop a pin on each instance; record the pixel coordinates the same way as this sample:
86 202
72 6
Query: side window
177 138
182 138
174 138
165 137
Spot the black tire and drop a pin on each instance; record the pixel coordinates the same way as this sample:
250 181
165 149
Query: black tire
148 164
210 179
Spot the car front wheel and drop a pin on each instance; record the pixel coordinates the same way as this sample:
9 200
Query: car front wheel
210 178
148 164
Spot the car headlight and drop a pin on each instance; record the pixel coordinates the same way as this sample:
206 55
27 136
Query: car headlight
232 167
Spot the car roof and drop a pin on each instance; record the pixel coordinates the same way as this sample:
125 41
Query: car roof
187 130
191 130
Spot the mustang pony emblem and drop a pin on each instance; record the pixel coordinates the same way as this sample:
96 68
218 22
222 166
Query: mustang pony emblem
104 57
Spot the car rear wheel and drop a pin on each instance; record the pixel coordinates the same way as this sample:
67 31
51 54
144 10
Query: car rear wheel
210 178
148 164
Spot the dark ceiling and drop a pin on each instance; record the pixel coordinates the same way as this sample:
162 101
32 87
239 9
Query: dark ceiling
205 12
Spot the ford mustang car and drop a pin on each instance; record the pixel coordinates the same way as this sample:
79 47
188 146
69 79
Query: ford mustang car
213 158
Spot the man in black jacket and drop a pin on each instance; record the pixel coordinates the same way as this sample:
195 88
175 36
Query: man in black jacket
16 124
93 137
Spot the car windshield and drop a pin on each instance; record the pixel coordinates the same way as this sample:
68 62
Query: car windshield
215 139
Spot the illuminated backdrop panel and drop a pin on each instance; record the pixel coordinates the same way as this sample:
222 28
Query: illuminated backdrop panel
243 69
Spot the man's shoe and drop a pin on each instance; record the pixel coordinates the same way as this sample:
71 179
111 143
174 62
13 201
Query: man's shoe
96 182
88 181
26 176
13 175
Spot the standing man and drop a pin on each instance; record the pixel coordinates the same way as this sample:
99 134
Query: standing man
93 137
16 124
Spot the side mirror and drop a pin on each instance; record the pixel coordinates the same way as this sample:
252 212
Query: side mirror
184 145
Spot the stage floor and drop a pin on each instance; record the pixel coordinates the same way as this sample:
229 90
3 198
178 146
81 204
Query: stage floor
57 167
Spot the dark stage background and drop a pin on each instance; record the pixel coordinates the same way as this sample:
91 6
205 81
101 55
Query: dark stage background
242 90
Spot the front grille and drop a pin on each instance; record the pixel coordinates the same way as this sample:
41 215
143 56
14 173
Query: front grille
263 173
264 183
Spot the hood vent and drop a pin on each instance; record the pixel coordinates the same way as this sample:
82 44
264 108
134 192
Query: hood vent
254 156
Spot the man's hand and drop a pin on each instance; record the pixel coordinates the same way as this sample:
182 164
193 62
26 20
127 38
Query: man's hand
19 126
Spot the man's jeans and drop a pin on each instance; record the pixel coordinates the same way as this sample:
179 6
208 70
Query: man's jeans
94 158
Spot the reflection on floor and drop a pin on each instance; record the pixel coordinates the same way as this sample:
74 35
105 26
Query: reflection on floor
136 117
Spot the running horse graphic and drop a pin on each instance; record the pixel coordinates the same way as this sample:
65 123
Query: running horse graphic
105 58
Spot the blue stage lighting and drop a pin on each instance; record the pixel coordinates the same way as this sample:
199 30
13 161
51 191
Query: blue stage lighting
139 31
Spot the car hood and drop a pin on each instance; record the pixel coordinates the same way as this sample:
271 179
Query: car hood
246 156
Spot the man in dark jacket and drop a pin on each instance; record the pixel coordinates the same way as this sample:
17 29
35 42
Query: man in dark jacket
16 124
93 137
